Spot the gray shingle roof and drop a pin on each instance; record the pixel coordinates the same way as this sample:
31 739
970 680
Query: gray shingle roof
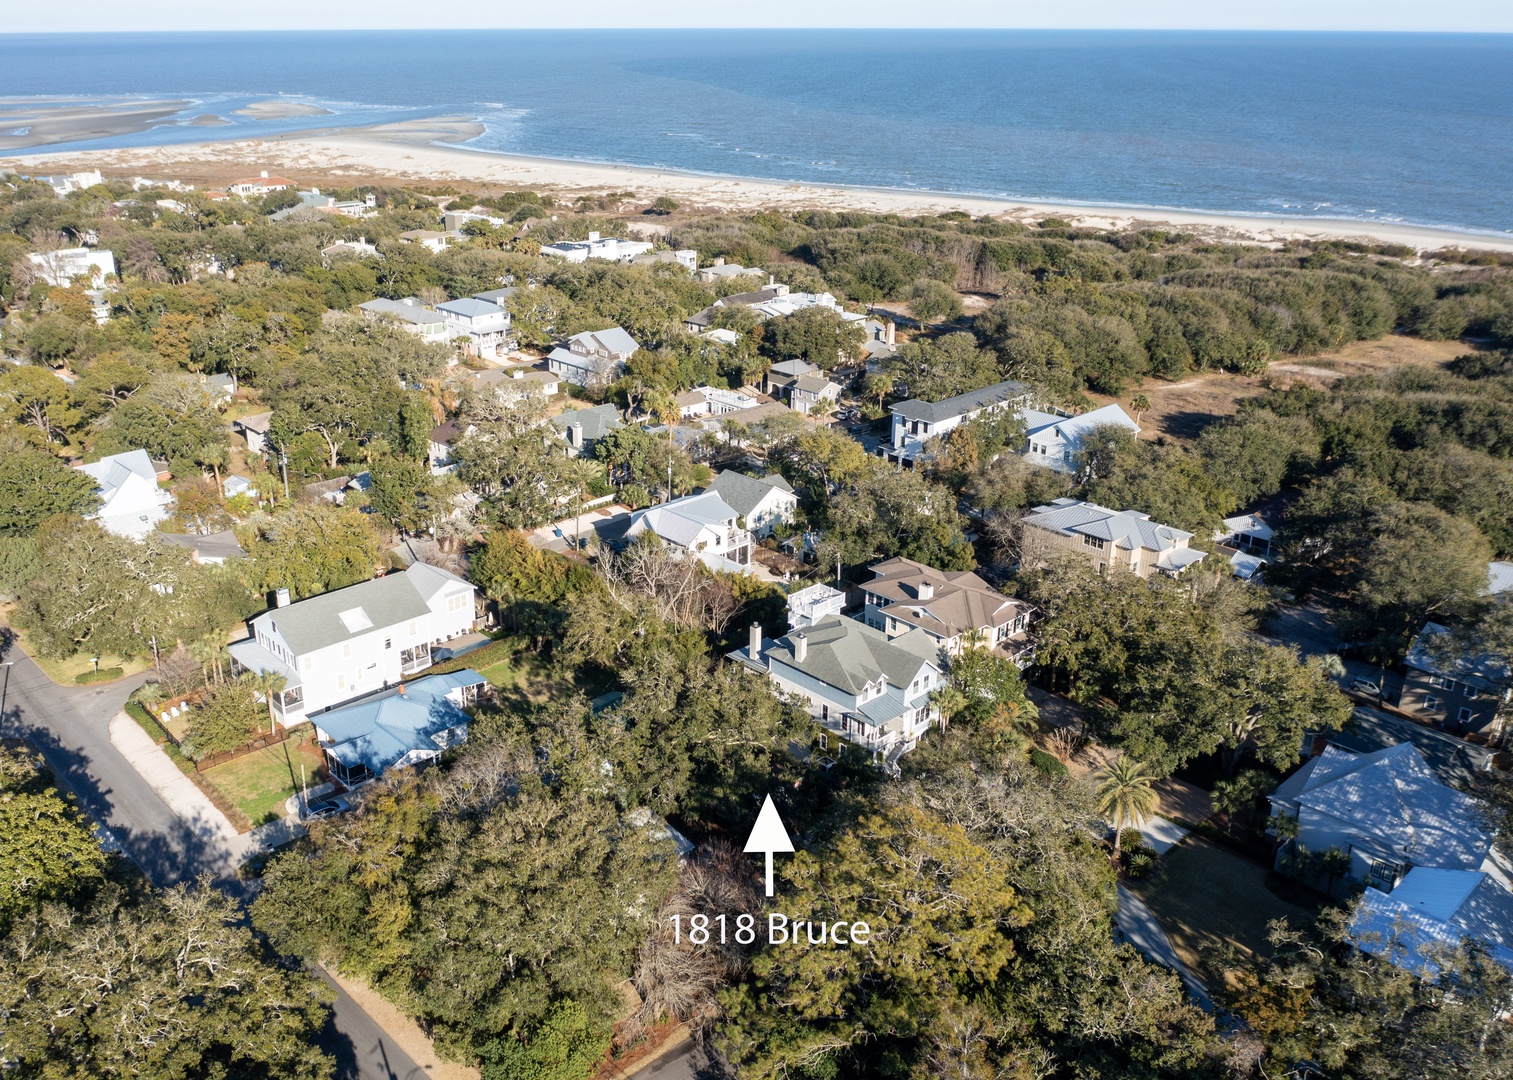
848 654
743 493
220 545
597 422
1124 529
936 411
316 622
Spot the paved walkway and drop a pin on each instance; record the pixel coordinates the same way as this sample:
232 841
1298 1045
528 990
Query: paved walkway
1161 834
1139 927
181 794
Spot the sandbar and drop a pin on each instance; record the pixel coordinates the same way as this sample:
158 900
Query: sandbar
409 153
30 125
281 110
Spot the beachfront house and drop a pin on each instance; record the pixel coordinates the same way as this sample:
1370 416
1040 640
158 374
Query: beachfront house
596 247
594 358
63 267
853 680
341 645
257 186
1108 538
131 503
916 422
398 728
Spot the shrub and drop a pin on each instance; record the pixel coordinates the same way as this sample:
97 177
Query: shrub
1048 764
105 674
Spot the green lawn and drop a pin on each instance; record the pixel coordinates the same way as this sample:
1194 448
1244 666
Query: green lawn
258 783
1206 897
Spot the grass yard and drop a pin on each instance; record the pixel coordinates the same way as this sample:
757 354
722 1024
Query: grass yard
1206 897
62 671
259 782
523 675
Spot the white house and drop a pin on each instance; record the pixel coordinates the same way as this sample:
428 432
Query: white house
341 645
1053 441
79 181
61 267
704 526
853 680
712 401
260 185
1433 910
131 503
916 422
412 315
594 357
355 249
433 241
1386 810
761 503
597 247
484 324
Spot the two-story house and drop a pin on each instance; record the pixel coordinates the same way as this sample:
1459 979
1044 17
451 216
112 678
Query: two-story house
1458 692
853 680
1054 441
1386 810
62 267
484 325
609 248
581 429
131 503
594 357
341 645
761 502
1107 538
949 606
411 314
916 422
704 526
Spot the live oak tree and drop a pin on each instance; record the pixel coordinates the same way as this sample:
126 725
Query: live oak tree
891 513
483 899
815 334
173 985
311 548
49 854
38 403
933 370
35 485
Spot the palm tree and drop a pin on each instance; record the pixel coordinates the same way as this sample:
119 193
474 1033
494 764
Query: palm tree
205 654
948 701
582 472
270 684
1127 796
1140 404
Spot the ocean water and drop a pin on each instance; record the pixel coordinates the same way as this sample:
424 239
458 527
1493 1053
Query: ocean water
1414 128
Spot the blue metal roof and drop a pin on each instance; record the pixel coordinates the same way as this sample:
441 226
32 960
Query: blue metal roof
384 729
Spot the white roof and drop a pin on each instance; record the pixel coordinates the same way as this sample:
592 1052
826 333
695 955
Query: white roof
1073 428
1249 524
682 520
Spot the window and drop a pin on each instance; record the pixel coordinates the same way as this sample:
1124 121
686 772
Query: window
388 643
341 682
824 712
1385 872
824 741
1095 542
309 663
1431 704
346 649
458 602
412 629
1463 714
1449 685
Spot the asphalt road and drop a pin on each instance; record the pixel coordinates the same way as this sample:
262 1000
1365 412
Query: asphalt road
71 728
694 1062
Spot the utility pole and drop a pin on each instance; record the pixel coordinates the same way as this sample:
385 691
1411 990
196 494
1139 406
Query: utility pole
283 461
5 688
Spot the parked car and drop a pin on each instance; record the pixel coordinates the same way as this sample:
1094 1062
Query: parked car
324 808
1366 686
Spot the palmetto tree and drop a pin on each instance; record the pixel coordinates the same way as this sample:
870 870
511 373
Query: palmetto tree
270 684
1126 796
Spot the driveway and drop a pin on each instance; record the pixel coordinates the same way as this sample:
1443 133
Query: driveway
1138 925
71 727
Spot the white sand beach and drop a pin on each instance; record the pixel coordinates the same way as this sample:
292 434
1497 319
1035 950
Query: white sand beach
426 151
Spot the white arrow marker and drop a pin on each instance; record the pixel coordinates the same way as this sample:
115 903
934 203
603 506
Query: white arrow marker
768 835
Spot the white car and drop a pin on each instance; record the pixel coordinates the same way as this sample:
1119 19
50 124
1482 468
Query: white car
1366 686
